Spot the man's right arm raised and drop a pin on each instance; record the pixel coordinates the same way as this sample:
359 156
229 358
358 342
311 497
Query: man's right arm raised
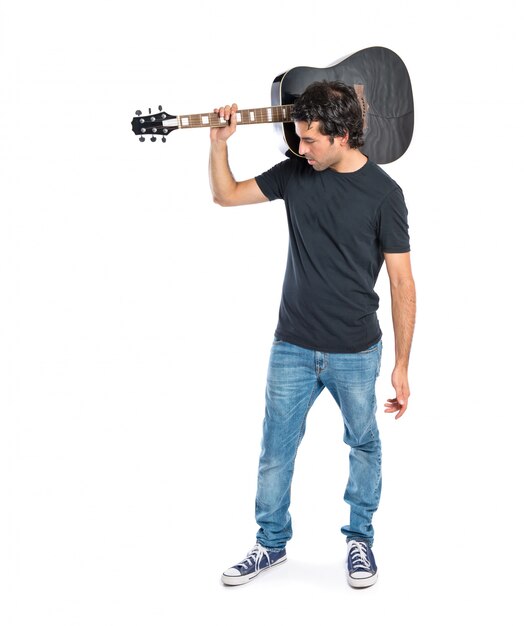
225 189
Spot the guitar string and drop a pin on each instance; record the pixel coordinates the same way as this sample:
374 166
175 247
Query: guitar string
260 115
247 116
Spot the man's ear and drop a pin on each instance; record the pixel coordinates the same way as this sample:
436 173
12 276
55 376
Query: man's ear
344 140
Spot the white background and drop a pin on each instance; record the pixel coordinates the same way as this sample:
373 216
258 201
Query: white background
136 318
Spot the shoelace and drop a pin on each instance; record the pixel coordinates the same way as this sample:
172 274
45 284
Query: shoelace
358 554
254 556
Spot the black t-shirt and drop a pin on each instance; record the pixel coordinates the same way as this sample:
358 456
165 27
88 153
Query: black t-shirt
340 224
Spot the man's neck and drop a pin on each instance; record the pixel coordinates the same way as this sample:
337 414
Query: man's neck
351 162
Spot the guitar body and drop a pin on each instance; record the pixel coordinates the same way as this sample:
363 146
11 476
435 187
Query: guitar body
389 117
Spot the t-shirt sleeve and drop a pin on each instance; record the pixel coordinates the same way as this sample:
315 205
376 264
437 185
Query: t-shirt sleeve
393 226
273 182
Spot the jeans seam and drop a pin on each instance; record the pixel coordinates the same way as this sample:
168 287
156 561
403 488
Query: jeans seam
303 420
372 425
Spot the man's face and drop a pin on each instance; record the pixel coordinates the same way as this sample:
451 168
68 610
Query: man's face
320 153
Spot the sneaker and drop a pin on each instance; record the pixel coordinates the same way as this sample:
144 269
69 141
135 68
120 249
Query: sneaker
256 561
361 566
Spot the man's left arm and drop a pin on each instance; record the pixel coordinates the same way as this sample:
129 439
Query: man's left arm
403 309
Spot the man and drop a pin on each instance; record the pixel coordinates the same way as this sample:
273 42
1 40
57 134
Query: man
345 216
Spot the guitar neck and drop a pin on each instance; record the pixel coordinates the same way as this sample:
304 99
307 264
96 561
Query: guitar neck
281 113
160 124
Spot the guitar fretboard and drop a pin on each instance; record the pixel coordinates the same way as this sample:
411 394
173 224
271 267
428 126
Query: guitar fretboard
281 113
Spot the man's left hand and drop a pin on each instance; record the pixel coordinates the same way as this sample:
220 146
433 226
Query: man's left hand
399 380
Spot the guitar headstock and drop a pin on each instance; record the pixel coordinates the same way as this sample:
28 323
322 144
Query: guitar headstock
154 124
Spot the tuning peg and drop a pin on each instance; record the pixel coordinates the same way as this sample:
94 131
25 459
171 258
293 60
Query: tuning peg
138 112
160 107
163 140
153 138
141 138
149 111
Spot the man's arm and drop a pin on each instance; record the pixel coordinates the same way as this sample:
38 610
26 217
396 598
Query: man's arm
403 308
225 189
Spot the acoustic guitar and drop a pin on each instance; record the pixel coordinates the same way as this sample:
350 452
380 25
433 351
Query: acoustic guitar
378 75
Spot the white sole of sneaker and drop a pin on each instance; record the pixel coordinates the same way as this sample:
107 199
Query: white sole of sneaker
361 583
232 581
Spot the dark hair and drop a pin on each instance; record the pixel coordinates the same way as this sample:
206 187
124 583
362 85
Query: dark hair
335 106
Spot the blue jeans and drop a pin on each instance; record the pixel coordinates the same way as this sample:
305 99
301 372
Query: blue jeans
296 377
